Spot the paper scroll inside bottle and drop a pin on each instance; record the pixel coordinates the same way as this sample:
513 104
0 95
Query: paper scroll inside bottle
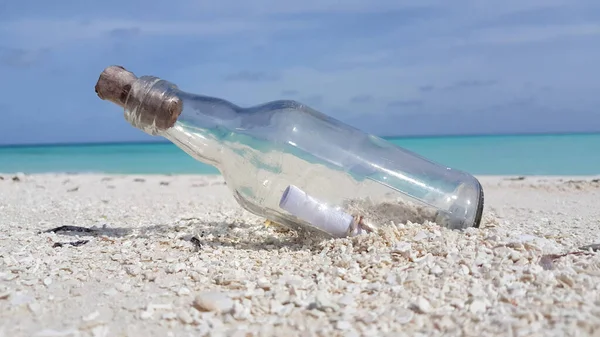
317 213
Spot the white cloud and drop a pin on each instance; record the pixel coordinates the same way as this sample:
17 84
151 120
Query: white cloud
274 7
383 83
448 24
372 57
528 34
51 32
474 9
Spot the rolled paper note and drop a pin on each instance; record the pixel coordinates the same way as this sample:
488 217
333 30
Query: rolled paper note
317 213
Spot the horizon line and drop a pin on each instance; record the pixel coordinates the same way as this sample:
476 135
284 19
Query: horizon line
149 142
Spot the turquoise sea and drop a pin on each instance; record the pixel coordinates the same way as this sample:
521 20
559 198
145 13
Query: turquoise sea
550 154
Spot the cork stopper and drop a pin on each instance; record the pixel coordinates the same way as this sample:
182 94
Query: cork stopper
114 84
151 108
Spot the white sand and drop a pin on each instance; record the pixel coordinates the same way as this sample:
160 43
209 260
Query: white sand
141 276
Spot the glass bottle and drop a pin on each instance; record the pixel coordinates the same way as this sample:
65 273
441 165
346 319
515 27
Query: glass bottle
296 166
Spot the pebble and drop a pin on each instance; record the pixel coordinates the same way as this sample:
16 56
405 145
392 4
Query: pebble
213 301
422 305
146 314
263 283
403 316
10 277
185 317
183 291
566 280
133 270
478 306
111 292
92 316
343 325
150 276
323 302
421 235
176 268
5 294
29 282
34 307
347 300
123 287
153 307
100 331
436 270
445 324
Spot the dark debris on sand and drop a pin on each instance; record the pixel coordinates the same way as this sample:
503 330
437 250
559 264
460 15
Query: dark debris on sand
73 243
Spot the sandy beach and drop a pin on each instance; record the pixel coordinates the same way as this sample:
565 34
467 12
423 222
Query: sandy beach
176 256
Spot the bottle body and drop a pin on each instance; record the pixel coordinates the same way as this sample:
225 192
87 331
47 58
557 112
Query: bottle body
298 167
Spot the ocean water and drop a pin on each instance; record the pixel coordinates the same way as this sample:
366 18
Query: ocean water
565 154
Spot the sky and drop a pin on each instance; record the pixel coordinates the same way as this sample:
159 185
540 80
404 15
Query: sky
388 67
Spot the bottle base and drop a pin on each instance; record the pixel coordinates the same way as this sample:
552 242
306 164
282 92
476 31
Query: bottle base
480 203
457 217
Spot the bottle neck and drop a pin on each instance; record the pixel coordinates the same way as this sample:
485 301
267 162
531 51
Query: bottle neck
152 105
194 123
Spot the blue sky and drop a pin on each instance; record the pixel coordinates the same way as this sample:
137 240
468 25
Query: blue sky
388 67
